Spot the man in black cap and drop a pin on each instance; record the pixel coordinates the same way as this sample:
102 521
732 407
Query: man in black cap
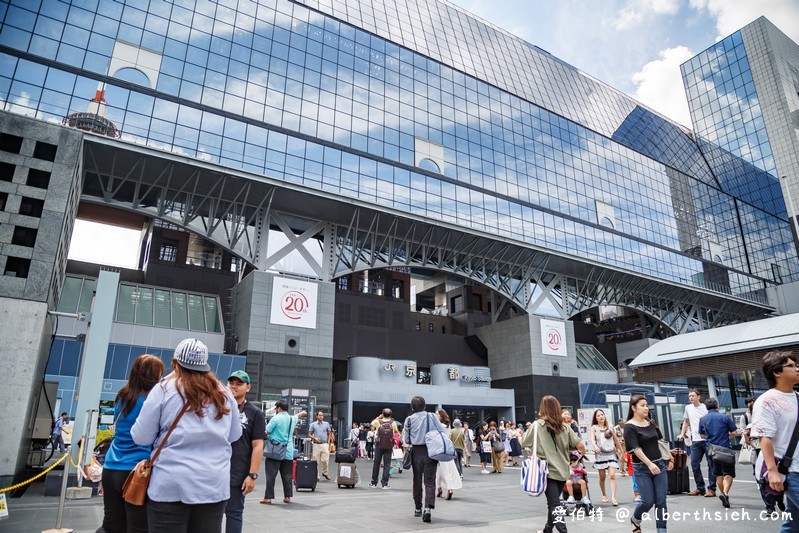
247 451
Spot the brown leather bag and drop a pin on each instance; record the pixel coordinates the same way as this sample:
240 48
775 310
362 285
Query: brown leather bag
134 491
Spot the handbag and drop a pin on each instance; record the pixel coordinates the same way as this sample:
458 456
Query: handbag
534 470
665 450
134 491
396 454
439 445
276 450
332 448
485 446
497 445
721 454
407 460
747 455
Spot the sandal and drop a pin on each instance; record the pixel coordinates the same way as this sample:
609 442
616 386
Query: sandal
614 502
604 499
266 502
636 527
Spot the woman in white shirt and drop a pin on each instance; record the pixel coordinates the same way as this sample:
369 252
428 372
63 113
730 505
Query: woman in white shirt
189 485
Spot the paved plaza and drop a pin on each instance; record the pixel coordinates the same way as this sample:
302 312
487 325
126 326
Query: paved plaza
494 500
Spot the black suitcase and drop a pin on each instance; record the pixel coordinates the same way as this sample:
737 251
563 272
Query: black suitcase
307 475
679 482
345 455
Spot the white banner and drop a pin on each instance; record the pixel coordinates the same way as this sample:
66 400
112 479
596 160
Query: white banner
553 337
294 303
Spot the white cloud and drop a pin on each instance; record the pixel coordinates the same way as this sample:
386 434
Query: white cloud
659 84
637 11
732 15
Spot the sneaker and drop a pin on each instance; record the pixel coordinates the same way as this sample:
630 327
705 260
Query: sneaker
725 500
585 501
570 500
484 471
417 513
386 487
372 485
427 516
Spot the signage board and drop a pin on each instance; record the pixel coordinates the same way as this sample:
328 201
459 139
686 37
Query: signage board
294 303
553 337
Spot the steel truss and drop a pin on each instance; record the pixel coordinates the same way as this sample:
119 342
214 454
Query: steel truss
236 210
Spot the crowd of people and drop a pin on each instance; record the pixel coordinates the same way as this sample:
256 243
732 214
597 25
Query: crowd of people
207 459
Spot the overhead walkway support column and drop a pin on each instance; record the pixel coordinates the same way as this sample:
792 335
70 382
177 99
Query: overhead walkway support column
95 351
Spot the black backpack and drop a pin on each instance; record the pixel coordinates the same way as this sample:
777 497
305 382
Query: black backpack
385 435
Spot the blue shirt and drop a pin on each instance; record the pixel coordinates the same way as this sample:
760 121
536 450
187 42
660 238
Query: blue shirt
279 429
320 430
417 425
194 464
124 454
58 425
716 428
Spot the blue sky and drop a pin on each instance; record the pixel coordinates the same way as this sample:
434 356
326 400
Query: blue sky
636 46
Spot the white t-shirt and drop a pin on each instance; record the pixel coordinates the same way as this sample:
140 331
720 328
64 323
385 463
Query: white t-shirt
774 416
693 415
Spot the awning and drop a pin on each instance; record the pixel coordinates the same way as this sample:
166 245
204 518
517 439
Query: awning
781 331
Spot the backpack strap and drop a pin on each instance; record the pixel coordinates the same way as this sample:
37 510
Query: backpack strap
787 459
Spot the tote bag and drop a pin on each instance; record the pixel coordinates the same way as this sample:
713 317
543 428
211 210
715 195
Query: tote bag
747 455
439 445
534 470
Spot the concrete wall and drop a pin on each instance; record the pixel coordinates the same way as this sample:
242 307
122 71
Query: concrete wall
25 328
281 357
784 297
25 332
252 305
514 349
48 255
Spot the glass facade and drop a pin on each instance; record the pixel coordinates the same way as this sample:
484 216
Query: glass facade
334 97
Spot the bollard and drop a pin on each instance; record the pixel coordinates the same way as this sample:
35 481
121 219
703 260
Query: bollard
61 502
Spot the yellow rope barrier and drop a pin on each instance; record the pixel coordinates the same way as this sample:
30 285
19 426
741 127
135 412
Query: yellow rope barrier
37 476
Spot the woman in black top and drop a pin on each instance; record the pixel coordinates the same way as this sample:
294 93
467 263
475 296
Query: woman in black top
641 438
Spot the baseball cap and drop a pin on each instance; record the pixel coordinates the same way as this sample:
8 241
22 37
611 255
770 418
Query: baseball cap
240 374
192 354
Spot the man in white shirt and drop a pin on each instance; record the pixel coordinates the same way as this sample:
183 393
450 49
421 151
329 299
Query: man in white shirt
694 411
773 421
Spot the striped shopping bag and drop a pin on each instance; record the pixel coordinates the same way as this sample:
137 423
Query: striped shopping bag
534 470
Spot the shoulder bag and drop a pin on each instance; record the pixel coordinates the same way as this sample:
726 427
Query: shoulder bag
439 445
663 446
134 491
276 450
534 470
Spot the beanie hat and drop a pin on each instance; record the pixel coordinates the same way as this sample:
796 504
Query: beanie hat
192 354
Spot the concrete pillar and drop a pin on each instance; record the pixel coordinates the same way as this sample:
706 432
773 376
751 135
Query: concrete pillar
25 329
95 351
657 386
